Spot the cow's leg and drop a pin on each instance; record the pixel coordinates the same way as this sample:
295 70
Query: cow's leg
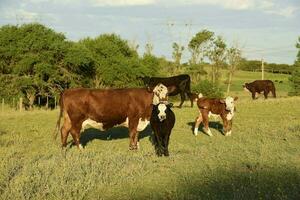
266 92
206 123
273 92
253 95
191 99
133 133
182 98
226 124
159 145
65 129
197 123
166 144
75 132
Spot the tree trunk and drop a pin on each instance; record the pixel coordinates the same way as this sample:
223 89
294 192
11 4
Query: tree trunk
229 82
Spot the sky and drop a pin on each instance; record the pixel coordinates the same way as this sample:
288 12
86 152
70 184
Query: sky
262 29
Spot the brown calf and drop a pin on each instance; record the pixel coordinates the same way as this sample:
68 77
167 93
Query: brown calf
221 107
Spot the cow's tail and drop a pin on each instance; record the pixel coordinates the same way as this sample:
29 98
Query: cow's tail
57 127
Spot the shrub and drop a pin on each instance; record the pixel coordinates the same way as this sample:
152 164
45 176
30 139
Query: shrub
208 89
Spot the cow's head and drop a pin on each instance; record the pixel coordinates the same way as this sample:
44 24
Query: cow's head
246 86
160 110
229 103
160 93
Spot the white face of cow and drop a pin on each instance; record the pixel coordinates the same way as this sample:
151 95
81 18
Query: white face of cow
162 112
160 93
229 101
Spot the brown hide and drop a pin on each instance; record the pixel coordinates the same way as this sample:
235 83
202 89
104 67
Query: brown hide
109 107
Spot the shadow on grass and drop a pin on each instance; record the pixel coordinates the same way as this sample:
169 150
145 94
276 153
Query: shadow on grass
215 125
111 134
250 182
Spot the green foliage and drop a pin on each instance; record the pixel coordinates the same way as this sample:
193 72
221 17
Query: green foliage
255 65
199 45
177 53
208 89
116 64
295 77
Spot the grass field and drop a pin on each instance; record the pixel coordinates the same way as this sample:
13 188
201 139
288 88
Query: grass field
261 160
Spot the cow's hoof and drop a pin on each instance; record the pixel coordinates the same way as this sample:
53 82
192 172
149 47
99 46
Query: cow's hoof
228 133
132 147
208 132
80 147
196 131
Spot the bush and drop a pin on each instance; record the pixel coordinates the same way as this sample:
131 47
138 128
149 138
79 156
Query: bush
208 89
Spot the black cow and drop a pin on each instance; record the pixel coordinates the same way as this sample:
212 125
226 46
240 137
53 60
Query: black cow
162 121
259 86
182 84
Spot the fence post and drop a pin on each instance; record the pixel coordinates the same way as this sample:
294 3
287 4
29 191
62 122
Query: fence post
39 101
2 107
47 102
21 104
54 102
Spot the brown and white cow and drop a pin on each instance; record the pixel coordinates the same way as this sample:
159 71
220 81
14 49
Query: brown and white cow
106 108
215 106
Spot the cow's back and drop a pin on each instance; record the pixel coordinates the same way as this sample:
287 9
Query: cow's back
169 81
261 85
111 106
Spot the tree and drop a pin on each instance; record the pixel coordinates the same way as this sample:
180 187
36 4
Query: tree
295 77
199 45
149 49
115 63
177 53
217 56
234 57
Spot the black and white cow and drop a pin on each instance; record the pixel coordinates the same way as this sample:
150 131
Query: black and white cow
162 122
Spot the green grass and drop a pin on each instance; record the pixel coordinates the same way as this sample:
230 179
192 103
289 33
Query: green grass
261 160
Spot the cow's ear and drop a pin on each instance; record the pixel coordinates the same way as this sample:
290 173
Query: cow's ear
222 101
170 105
235 98
149 89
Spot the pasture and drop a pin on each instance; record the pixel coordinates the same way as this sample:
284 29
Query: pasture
261 160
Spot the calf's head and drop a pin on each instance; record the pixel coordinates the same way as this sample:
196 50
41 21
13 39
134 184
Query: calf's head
229 103
246 86
161 93
160 110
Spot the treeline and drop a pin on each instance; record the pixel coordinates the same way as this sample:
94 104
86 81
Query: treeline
255 65
37 63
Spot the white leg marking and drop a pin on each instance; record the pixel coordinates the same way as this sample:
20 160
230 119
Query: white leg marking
196 131
228 133
209 132
80 147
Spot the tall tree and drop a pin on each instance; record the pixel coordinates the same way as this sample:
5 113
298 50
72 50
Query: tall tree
234 57
295 77
199 45
177 53
217 56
